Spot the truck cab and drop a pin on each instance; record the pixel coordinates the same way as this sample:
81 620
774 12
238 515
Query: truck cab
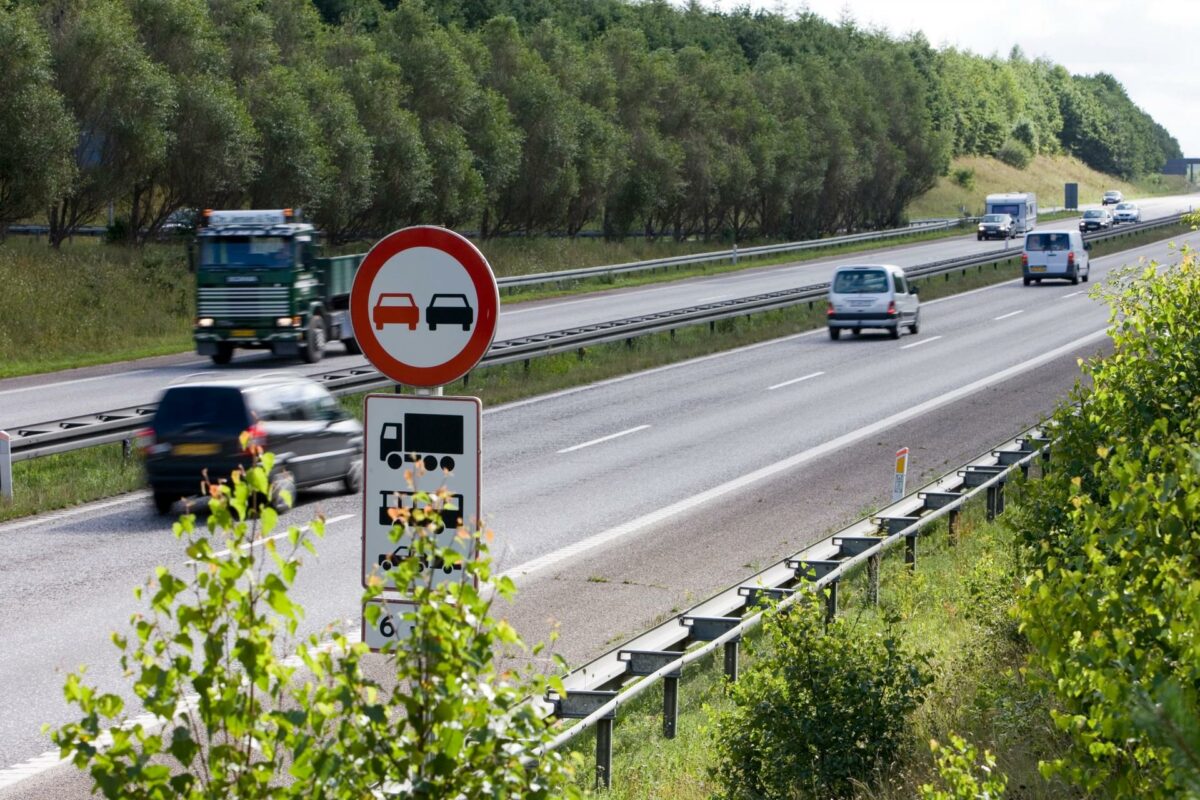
259 285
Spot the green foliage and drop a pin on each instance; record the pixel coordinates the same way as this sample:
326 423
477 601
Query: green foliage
230 717
1015 153
1111 605
820 709
957 766
964 177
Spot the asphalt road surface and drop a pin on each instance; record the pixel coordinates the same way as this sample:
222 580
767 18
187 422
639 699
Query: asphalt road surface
59 395
613 503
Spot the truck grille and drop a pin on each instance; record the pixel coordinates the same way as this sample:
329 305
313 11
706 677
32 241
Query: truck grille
241 303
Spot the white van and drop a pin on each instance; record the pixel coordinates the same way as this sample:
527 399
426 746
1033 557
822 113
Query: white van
1055 254
872 296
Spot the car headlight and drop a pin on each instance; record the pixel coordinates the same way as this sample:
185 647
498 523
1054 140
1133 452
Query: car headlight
204 322
284 322
980 227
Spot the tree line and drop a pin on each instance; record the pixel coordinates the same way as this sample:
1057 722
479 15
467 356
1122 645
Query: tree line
514 116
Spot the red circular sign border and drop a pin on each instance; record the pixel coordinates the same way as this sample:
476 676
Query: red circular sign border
465 253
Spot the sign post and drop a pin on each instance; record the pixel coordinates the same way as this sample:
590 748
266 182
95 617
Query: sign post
6 486
901 474
424 307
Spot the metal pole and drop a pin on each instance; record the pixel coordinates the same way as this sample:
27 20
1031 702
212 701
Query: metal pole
604 753
670 706
731 660
6 486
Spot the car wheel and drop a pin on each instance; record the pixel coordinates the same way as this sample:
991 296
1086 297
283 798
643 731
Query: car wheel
314 340
894 331
835 333
858 331
979 237
353 479
281 485
224 354
1075 278
163 503
915 328
1027 280
1087 274
351 346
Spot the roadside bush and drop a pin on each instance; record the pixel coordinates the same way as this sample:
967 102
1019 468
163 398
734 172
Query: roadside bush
232 718
1015 154
1112 530
820 708
957 766
964 177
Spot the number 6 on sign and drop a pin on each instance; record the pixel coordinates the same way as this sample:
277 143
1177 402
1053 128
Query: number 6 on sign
390 626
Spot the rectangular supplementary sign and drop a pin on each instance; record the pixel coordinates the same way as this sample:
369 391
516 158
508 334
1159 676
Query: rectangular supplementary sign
390 627
420 451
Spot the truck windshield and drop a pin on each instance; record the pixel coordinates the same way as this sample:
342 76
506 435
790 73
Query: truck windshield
246 251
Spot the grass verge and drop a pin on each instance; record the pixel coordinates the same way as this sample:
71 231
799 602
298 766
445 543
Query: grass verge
77 477
954 607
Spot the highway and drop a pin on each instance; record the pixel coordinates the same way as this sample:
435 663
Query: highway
51 396
613 504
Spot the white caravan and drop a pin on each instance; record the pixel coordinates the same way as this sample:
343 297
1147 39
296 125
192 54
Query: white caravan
1021 206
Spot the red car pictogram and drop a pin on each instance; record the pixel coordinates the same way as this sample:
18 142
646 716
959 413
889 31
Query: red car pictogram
396 308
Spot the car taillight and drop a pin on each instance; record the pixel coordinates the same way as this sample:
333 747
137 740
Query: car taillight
256 438
1071 259
829 312
1024 259
891 307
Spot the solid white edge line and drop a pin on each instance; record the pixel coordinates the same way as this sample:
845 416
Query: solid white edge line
69 382
795 380
258 542
603 439
918 344
1009 314
689 503
51 517
1072 294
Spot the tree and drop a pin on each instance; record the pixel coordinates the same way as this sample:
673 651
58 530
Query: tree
120 99
36 162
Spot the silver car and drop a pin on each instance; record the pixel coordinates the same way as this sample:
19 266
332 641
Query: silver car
996 226
1127 212
872 296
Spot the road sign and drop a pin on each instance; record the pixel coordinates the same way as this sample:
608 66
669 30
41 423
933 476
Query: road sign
424 306
901 474
391 626
413 445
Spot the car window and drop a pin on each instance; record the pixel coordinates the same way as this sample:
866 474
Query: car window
899 284
318 404
1093 213
1037 242
861 281
216 409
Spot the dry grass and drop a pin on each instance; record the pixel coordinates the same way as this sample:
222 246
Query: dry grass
1044 176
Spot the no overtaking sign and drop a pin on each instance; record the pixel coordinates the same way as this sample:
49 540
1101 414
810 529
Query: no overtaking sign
424 306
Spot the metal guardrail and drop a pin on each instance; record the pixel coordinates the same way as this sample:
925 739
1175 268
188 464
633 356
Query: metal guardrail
597 690
58 436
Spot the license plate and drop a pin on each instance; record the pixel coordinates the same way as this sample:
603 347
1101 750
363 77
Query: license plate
1037 269
244 333
196 449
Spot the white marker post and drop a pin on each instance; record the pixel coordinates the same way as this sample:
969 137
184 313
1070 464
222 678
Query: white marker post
901 474
6 487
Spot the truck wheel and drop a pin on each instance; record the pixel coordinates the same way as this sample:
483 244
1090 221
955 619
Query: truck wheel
224 353
351 346
314 340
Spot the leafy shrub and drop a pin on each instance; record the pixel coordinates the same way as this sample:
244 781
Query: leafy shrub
1015 154
820 708
957 766
1111 607
964 177
1026 133
237 720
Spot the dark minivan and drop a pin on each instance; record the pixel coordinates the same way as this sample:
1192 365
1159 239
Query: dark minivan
196 432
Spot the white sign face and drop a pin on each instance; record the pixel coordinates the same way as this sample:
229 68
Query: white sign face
418 445
901 475
391 625
423 305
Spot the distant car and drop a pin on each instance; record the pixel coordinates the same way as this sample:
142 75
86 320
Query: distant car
395 308
1127 212
1096 219
996 226
195 436
449 309
1111 197
872 296
1055 254
180 221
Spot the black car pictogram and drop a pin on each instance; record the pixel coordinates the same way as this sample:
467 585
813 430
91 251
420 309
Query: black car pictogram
449 309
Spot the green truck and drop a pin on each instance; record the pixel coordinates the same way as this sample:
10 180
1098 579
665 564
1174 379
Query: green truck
260 285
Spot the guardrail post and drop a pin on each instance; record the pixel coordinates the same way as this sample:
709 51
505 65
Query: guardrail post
735 254
952 527
580 704
831 603
670 706
873 579
604 753
910 551
126 448
991 502
6 487
731 660
1000 498
647 662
